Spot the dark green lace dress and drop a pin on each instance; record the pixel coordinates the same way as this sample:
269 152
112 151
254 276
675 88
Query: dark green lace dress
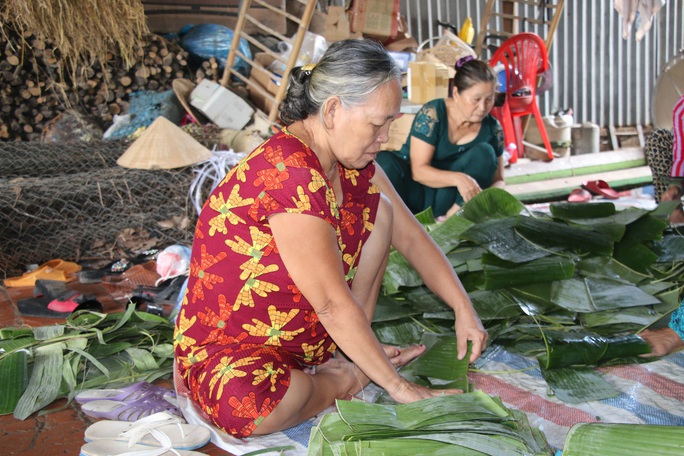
478 159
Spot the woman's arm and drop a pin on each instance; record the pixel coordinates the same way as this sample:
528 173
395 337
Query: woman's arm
422 171
412 240
498 180
308 247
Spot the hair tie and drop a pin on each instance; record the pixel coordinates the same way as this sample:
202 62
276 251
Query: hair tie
463 60
308 68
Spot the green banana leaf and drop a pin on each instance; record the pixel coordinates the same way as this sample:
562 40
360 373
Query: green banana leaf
499 237
587 349
598 294
503 274
578 384
623 440
573 211
493 203
670 249
552 235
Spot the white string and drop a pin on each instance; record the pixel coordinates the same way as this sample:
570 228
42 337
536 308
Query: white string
213 170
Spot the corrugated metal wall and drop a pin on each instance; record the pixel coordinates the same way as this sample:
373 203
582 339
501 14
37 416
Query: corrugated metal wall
606 79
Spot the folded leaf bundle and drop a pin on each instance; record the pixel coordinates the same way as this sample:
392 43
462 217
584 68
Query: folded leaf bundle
590 350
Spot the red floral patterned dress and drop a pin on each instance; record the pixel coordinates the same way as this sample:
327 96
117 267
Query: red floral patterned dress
243 323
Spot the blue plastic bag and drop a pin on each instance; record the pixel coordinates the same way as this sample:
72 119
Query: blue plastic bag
213 40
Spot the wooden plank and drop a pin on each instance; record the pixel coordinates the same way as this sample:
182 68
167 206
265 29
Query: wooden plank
554 189
574 165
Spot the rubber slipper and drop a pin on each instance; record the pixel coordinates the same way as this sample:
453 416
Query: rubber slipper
579 195
60 307
130 393
122 286
129 411
116 267
152 430
601 187
115 448
63 271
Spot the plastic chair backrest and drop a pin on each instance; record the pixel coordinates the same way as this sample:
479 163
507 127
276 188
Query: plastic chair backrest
523 56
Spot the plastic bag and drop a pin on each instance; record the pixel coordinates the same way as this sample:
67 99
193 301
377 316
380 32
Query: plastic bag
173 261
313 48
213 40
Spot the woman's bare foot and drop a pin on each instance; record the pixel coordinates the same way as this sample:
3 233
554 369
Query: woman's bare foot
350 376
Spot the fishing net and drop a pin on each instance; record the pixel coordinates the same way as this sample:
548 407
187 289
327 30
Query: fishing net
71 201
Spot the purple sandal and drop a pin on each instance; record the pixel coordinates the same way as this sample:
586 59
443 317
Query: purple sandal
131 393
129 411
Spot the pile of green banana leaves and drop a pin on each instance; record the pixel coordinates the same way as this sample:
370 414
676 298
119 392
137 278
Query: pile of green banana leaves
91 350
571 287
464 424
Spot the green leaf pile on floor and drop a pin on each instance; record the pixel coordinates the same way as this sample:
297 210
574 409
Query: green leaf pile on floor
91 350
465 424
572 286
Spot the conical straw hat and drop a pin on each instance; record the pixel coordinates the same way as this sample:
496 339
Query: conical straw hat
163 145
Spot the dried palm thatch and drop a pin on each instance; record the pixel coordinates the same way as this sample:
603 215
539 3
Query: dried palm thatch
84 31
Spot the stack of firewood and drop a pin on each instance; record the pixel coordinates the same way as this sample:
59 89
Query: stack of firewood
35 87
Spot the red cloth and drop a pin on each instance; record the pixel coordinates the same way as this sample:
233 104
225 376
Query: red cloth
678 141
243 323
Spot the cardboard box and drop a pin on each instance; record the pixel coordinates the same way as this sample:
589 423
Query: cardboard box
263 76
399 131
427 81
259 97
223 107
376 17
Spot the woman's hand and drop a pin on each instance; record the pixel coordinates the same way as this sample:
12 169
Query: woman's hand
467 186
399 356
410 392
662 341
469 328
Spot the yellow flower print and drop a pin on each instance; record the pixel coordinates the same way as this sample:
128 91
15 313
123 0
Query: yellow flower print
373 189
275 331
225 210
351 261
179 337
197 356
317 181
351 174
332 202
303 203
313 351
367 225
261 245
267 372
252 284
240 169
226 370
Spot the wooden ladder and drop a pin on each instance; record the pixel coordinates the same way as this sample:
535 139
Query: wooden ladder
508 11
296 44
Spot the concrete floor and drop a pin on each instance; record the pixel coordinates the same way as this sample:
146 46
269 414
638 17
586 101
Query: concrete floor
60 432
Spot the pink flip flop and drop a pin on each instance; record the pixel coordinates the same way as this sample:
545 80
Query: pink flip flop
579 195
601 187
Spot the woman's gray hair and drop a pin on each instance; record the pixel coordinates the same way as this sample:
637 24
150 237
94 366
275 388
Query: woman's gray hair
350 69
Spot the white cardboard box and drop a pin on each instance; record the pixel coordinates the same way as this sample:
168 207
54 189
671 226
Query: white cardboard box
223 107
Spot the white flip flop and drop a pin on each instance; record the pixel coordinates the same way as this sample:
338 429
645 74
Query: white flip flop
118 448
158 430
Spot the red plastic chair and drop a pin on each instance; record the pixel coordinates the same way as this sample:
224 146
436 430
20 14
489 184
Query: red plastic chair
523 57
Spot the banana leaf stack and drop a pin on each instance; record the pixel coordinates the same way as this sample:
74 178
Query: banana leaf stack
572 287
465 424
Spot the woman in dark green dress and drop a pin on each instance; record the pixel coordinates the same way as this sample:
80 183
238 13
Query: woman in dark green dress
455 147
